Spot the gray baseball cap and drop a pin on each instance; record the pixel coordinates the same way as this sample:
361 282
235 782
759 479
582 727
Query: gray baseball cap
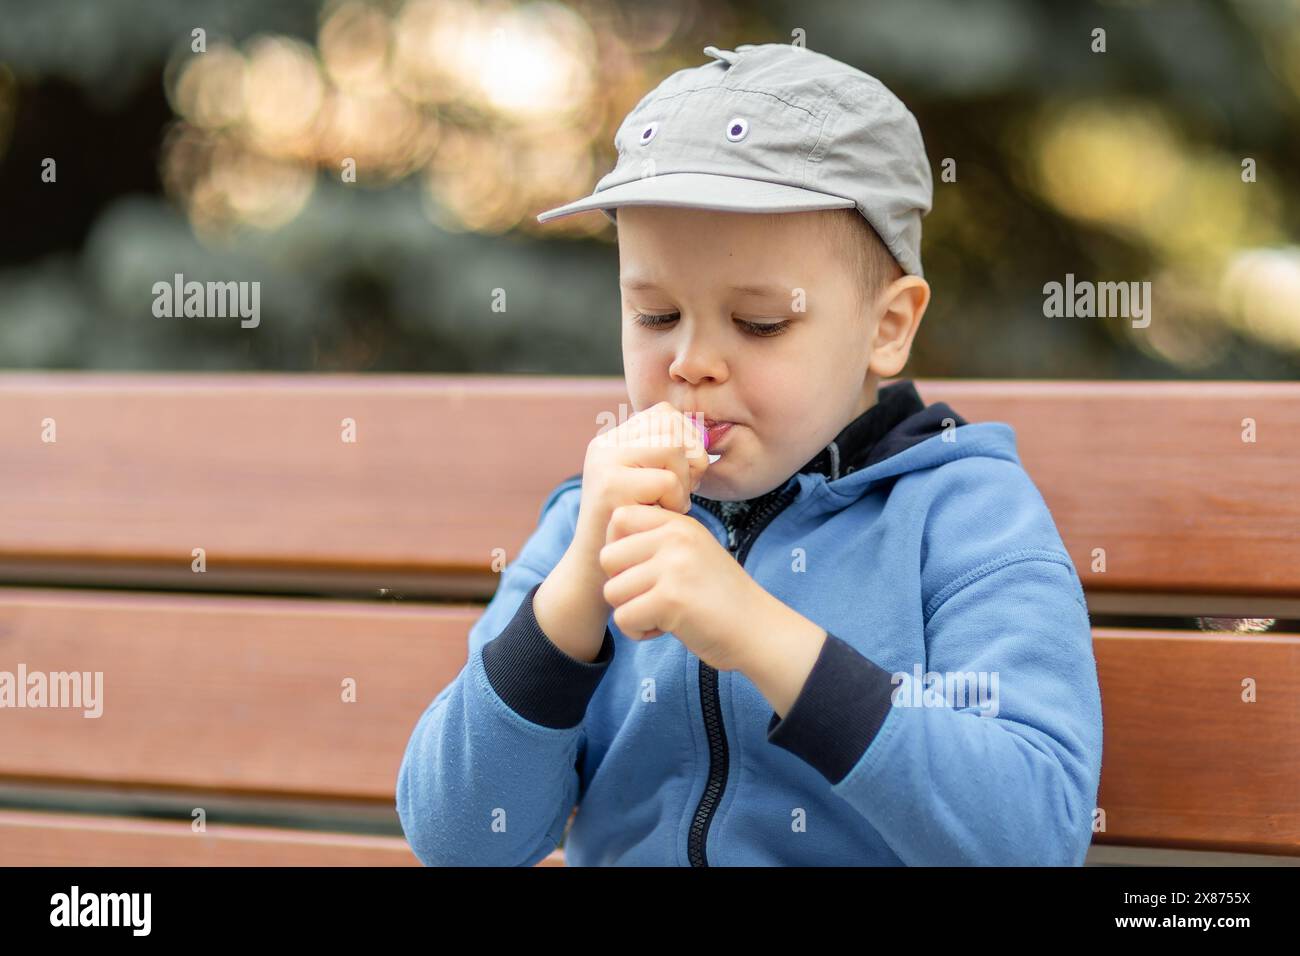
772 127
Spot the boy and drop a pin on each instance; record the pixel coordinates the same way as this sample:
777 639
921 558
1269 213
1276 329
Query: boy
804 661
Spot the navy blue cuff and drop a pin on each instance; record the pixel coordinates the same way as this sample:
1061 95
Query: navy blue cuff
837 713
535 678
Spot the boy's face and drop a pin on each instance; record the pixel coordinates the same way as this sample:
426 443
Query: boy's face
789 388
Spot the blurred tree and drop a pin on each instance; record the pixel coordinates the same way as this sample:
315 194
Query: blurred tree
465 120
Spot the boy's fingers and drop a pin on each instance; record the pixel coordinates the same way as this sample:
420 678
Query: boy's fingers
633 519
697 466
665 459
664 437
697 458
651 485
679 436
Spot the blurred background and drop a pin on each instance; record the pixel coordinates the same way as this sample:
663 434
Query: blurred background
213 138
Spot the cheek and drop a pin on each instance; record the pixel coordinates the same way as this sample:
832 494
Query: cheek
785 397
643 373
775 394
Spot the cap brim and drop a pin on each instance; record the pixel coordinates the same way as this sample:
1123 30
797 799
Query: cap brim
703 191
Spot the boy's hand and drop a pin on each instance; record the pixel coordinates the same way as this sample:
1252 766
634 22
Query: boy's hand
655 457
667 573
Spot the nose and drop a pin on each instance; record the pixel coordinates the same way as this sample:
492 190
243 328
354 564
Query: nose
698 357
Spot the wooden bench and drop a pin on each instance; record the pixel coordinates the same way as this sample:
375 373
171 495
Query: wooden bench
329 560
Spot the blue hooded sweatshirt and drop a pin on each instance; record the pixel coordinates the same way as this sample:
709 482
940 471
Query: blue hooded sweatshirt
953 716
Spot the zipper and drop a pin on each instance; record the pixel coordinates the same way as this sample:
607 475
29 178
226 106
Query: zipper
710 706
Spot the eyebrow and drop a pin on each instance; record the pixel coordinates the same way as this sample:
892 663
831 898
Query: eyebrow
641 285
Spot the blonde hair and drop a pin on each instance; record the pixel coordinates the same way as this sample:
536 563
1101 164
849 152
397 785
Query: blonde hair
873 265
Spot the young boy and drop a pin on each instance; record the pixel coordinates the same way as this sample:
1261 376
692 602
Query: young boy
804 660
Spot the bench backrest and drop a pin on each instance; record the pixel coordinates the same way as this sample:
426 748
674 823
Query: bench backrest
388 493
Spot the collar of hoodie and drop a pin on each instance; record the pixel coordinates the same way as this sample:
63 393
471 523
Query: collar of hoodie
877 433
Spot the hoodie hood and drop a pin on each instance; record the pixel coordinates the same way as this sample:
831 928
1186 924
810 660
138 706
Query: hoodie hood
897 420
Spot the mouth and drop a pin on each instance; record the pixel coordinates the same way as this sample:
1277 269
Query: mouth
718 432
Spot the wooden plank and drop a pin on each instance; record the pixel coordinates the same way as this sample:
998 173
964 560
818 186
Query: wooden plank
1186 761
1157 475
240 694
1110 855
243 695
251 468
56 839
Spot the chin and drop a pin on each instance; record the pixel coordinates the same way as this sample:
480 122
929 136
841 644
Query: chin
714 488
719 490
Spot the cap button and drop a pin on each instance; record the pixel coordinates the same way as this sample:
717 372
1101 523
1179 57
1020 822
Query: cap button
717 54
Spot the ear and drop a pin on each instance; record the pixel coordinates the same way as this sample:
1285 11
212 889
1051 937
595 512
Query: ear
900 308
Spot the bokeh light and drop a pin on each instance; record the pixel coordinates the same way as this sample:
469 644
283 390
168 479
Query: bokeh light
495 105
1122 166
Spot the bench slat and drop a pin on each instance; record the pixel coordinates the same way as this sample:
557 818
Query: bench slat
240 694
1186 761
243 694
447 468
30 838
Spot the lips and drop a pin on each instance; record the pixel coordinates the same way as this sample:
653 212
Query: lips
716 428
717 431
708 422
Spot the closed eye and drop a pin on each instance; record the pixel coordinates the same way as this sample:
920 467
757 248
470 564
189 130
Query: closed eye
759 329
